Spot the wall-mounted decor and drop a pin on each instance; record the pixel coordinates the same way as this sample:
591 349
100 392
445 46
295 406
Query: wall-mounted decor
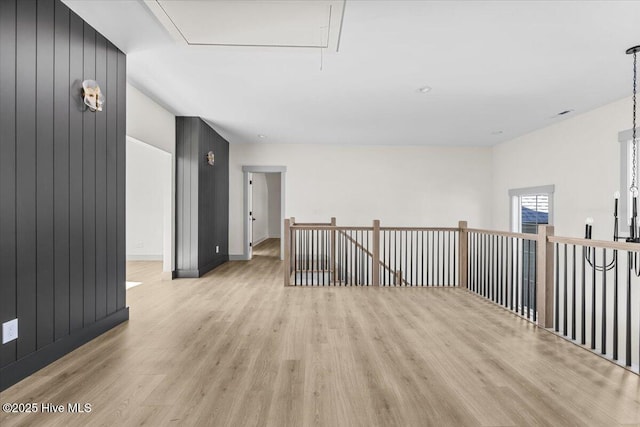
210 158
93 97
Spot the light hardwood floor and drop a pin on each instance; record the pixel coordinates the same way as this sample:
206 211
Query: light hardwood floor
236 348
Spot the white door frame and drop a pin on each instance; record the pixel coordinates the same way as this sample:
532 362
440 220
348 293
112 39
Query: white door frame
246 171
514 203
249 208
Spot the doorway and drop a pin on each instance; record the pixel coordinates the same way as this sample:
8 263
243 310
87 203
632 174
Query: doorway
530 207
264 202
148 209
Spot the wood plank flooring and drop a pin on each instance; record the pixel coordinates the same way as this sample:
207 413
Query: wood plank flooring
236 348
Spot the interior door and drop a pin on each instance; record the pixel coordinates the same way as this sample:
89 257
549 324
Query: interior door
249 217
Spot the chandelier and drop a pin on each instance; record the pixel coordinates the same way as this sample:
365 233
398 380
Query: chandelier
634 231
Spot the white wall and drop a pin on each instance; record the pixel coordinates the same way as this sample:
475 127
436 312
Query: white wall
149 122
154 125
435 186
148 172
580 156
260 208
275 220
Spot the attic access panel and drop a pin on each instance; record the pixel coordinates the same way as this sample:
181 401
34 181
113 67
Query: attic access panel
310 23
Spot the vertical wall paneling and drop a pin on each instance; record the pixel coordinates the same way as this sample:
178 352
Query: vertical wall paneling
194 185
185 139
207 190
101 185
76 109
7 172
44 172
61 170
111 157
178 204
121 174
26 175
89 185
179 254
202 198
221 202
62 185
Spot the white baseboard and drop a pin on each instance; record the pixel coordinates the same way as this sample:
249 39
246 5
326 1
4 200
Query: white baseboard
144 257
260 240
167 275
241 257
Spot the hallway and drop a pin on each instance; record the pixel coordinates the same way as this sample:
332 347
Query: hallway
268 249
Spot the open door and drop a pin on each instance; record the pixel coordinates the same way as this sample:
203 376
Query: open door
249 215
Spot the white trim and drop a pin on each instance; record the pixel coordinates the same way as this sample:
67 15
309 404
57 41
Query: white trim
246 170
331 44
241 257
144 257
245 214
156 9
627 135
624 139
264 169
541 189
256 243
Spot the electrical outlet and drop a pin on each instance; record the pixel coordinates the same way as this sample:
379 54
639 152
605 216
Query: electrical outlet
217 249
9 331
140 245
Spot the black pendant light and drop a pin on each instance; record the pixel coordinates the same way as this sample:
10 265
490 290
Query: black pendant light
634 236
634 232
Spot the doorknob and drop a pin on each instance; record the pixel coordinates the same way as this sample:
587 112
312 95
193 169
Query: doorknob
253 219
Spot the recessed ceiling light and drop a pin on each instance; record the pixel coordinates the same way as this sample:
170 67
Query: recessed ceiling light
424 89
261 135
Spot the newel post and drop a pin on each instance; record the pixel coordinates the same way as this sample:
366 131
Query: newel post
375 262
287 252
463 254
544 276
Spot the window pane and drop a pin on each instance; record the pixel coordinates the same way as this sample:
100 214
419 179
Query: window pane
535 210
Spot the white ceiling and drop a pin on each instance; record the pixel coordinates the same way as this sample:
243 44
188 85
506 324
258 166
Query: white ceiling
251 23
493 66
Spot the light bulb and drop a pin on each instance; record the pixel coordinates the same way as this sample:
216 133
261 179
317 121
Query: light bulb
634 191
588 221
616 195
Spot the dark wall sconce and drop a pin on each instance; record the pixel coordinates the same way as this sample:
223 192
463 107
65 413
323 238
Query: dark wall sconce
92 96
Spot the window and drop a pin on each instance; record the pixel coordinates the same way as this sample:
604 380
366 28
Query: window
626 169
530 207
